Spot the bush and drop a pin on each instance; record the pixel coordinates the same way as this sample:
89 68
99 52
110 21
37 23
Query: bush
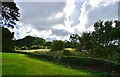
48 47
78 47
35 47
57 45
42 56
24 48
17 48
66 52
43 47
91 62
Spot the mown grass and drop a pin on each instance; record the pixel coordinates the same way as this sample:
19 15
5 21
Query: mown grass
34 50
20 64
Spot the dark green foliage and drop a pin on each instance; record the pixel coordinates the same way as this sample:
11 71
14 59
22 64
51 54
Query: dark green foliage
86 41
69 44
24 48
78 47
103 42
47 47
48 44
30 41
43 47
17 48
92 62
74 39
7 42
57 45
10 13
35 47
66 52
42 56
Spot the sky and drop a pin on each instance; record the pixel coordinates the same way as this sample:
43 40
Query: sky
58 19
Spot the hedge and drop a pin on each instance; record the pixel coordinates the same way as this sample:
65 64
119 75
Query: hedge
105 65
78 61
42 56
92 62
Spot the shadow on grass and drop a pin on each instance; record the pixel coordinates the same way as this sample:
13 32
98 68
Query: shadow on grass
90 69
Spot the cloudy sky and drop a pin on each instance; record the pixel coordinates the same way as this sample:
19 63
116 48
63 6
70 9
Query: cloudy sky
56 20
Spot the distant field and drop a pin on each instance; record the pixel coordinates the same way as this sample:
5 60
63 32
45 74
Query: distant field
69 49
20 64
41 50
35 50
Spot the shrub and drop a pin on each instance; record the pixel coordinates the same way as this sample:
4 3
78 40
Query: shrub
57 45
17 48
48 47
24 48
35 47
43 47
81 61
78 47
42 56
91 62
66 52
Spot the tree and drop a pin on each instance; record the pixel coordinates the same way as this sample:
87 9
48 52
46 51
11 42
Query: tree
7 42
10 13
86 42
39 41
9 17
48 44
68 44
29 41
104 41
74 38
57 45
106 37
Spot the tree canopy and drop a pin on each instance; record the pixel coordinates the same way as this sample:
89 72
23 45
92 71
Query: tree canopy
29 41
7 42
57 45
10 13
104 41
9 16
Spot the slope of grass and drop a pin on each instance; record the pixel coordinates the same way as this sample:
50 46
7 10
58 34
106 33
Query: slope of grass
20 64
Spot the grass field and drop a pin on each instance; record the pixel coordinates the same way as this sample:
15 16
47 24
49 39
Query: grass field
20 64
35 50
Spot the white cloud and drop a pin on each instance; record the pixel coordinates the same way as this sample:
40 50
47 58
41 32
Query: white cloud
57 20
21 31
94 10
41 15
70 6
59 15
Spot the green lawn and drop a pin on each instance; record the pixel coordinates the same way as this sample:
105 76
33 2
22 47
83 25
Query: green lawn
20 64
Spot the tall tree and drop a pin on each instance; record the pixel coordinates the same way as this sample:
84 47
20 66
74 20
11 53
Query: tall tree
86 42
7 42
74 39
9 16
107 37
10 13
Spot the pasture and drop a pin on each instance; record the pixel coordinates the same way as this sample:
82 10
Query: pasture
20 64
